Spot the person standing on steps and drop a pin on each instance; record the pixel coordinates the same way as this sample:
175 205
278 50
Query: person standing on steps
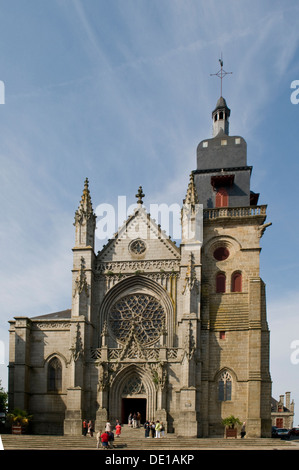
243 430
90 429
158 429
147 427
85 427
99 433
118 430
138 416
105 440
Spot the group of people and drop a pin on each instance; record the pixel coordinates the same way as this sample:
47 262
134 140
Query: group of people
88 428
134 420
154 429
104 438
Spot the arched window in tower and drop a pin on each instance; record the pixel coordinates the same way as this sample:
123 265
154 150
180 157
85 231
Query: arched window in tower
220 283
54 375
225 387
236 283
221 199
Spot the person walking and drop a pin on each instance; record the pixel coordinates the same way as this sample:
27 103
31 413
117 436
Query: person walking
90 429
162 429
105 440
243 430
118 430
98 439
110 439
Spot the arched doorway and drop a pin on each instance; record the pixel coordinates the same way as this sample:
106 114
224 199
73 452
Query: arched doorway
133 398
131 406
132 390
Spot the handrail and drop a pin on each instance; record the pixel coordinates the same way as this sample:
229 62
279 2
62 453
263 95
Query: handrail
246 211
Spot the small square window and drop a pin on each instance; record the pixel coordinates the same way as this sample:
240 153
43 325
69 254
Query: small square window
237 140
205 144
224 142
222 335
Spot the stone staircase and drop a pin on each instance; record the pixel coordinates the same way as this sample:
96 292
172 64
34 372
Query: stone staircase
133 439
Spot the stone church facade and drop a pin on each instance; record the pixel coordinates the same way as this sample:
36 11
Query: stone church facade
178 333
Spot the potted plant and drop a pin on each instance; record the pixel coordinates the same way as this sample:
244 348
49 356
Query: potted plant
230 424
19 420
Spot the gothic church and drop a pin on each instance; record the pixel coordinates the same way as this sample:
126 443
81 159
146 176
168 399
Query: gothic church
178 333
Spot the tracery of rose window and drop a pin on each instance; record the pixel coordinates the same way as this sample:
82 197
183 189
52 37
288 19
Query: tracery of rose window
137 246
142 312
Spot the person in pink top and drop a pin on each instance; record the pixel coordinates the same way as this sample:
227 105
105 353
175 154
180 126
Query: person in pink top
118 430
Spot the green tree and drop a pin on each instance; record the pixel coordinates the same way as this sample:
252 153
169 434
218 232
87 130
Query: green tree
231 421
3 399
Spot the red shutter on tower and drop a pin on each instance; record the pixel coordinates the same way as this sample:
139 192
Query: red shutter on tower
236 282
220 282
221 198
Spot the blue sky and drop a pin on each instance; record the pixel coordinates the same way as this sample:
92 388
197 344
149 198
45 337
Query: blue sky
120 92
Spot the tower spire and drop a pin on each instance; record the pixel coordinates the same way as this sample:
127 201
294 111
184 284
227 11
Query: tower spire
85 219
191 195
85 207
191 216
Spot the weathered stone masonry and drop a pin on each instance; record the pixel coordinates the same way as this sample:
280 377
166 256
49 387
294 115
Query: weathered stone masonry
178 331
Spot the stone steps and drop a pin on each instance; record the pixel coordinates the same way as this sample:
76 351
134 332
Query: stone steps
135 440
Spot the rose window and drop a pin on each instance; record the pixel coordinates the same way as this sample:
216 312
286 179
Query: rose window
139 312
137 247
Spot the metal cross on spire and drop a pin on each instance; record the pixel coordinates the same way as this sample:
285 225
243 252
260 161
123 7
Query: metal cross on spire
221 73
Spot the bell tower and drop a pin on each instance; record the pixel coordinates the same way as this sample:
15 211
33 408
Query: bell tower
220 117
221 113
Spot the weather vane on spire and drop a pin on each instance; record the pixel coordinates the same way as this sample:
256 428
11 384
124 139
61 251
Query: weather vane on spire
221 73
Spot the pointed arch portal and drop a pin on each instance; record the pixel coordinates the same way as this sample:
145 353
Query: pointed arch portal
132 390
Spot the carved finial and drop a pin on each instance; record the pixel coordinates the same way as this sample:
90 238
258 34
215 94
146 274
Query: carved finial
85 209
139 195
191 196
